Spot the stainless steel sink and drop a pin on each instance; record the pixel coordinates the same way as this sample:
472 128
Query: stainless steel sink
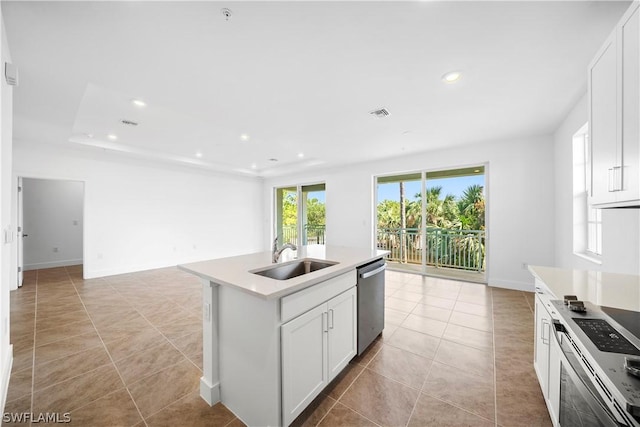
293 269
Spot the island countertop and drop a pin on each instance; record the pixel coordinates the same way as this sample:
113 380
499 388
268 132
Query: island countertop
600 288
235 271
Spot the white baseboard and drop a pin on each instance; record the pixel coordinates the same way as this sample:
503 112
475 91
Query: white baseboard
6 376
52 264
511 284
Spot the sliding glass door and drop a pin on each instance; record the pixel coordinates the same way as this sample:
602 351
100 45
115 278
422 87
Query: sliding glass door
300 214
434 221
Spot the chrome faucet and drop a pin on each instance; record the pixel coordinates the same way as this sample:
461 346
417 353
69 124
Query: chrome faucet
277 252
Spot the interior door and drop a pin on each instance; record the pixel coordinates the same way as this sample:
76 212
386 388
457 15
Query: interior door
20 235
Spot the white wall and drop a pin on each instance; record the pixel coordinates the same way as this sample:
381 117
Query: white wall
141 215
520 201
6 249
53 222
620 227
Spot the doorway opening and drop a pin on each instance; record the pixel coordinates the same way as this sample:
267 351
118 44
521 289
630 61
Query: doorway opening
50 224
433 222
300 214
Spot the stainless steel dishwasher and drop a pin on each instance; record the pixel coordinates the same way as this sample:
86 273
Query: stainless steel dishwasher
370 302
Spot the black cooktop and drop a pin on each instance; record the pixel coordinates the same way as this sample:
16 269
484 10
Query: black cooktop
605 337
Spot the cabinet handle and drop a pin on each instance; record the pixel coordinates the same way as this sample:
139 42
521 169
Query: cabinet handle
331 318
615 178
324 322
545 327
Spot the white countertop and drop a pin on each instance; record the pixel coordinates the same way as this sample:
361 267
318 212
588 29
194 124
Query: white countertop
234 271
607 289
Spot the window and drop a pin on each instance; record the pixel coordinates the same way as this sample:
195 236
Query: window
587 221
300 214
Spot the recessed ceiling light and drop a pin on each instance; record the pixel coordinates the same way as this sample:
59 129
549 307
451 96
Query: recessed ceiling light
300 155
138 103
452 77
253 166
112 136
244 137
198 154
477 171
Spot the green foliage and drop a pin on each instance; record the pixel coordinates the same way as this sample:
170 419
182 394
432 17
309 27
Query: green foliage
289 208
316 212
442 212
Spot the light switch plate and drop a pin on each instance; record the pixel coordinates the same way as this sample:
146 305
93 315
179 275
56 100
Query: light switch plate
206 311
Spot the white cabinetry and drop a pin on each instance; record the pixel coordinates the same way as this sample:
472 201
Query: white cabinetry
546 360
316 346
614 116
541 354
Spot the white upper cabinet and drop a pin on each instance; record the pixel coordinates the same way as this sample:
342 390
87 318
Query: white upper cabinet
614 116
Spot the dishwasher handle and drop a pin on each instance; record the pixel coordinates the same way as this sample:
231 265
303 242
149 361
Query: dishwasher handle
373 272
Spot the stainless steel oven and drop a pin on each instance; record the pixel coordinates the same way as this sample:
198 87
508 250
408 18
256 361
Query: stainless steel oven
584 399
587 396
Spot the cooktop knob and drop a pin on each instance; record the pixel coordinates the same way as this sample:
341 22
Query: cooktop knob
577 306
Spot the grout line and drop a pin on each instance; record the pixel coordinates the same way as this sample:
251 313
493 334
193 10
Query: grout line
495 368
33 360
107 351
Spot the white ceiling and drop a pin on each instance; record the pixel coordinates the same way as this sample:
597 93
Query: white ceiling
297 77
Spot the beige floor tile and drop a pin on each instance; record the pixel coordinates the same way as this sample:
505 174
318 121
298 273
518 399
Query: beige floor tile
340 415
433 412
78 391
191 411
478 310
432 312
134 342
343 381
425 325
483 323
160 389
400 365
467 336
415 342
438 302
47 374
465 358
315 412
382 400
400 304
148 361
394 316
114 409
471 392
66 347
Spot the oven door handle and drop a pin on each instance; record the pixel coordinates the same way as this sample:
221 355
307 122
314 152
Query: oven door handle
601 411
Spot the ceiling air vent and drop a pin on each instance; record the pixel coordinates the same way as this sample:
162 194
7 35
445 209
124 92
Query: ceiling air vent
381 113
128 122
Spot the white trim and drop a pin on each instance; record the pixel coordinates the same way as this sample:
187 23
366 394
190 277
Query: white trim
52 264
6 375
589 257
511 284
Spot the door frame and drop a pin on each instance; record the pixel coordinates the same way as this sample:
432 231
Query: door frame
423 174
17 180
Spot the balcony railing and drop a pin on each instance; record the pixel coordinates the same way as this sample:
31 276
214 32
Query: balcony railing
460 249
315 234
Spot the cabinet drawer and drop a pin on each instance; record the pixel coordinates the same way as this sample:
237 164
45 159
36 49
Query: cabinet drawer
297 303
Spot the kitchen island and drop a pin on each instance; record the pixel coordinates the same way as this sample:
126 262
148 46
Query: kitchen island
270 346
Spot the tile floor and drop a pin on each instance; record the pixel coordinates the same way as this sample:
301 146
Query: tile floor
127 351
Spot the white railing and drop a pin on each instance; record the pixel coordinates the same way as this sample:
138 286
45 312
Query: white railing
460 249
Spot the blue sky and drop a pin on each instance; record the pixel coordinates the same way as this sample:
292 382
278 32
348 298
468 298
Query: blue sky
455 186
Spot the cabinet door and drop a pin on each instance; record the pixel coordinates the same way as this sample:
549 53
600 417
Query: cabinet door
603 123
541 354
629 37
304 364
342 339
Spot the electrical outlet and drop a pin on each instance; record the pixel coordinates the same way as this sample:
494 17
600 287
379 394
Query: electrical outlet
56 250
525 265
206 311
75 222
